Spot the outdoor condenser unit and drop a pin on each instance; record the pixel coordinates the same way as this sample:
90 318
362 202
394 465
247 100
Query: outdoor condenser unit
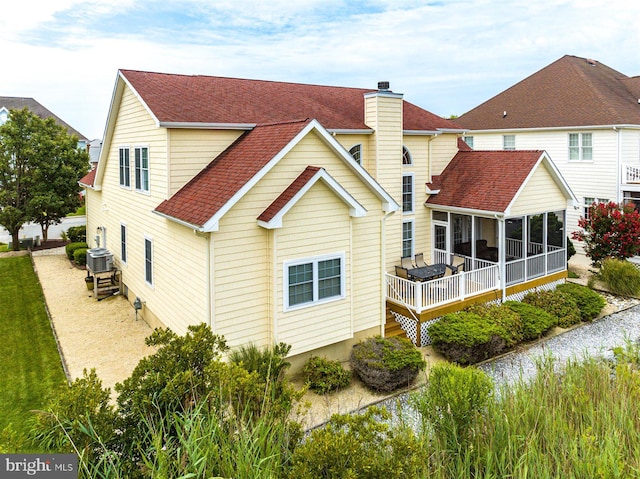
99 260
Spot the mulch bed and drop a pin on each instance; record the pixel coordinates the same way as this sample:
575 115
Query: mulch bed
49 244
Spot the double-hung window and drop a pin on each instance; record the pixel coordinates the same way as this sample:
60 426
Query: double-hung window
407 238
407 193
148 260
123 243
314 280
125 174
580 147
141 155
589 202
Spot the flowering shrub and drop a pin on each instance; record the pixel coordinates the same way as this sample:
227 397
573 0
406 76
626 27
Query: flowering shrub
612 230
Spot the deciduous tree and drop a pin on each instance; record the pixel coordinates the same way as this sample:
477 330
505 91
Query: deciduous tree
40 165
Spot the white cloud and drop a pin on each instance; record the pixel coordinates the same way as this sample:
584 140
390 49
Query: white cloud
446 56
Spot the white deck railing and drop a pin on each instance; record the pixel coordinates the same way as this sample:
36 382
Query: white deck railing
478 277
420 296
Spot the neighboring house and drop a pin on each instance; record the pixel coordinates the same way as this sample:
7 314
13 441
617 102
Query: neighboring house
18 103
94 152
278 211
584 114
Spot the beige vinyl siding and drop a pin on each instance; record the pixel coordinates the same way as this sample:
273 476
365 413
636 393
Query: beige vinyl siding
540 194
419 148
179 291
348 141
384 114
443 148
317 225
192 150
250 312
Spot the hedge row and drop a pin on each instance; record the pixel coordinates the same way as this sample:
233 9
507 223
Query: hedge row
481 332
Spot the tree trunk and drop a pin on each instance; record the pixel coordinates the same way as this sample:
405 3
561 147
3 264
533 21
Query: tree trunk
15 239
45 231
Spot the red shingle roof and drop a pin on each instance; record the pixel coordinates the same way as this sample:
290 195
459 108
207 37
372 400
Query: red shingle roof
214 186
286 196
208 99
89 178
483 180
572 91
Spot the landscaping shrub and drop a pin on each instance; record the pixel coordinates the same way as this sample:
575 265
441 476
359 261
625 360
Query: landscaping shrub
80 256
71 247
451 401
535 321
76 415
359 446
269 362
385 364
476 334
77 234
324 375
589 302
562 306
620 277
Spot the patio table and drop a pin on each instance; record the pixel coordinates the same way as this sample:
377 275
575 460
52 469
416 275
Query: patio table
426 273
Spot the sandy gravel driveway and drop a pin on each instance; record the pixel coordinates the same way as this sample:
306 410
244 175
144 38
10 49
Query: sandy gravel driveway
92 334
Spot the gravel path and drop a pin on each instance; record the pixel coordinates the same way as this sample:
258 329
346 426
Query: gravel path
592 339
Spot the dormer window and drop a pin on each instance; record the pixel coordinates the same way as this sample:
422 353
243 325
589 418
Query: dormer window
406 156
356 153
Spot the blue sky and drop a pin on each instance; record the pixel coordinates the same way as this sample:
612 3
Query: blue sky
445 56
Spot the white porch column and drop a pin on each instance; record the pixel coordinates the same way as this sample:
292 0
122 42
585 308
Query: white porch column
502 257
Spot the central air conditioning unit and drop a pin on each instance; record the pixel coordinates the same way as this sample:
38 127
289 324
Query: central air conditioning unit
99 260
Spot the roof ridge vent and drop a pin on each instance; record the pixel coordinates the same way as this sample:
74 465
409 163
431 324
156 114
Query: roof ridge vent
591 62
383 86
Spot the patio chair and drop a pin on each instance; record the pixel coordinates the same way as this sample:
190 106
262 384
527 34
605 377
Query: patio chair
402 272
406 262
457 264
419 259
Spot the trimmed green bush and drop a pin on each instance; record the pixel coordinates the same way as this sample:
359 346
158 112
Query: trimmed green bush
620 277
324 375
77 234
535 321
476 334
562 306
450 402
589 301
80 256
71 247
385 364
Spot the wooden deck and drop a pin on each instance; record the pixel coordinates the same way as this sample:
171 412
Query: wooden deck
394 328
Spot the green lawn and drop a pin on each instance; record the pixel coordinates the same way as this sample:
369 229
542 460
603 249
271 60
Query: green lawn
31 365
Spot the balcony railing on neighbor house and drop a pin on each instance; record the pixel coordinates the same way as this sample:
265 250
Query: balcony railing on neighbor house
631 174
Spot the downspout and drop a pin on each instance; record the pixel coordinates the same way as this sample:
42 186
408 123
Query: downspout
619 165
502 264
383 262
209 256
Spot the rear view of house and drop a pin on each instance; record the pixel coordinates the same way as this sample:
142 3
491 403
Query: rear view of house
278 211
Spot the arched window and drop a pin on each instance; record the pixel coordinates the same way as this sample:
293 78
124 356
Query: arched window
356 153
406 156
